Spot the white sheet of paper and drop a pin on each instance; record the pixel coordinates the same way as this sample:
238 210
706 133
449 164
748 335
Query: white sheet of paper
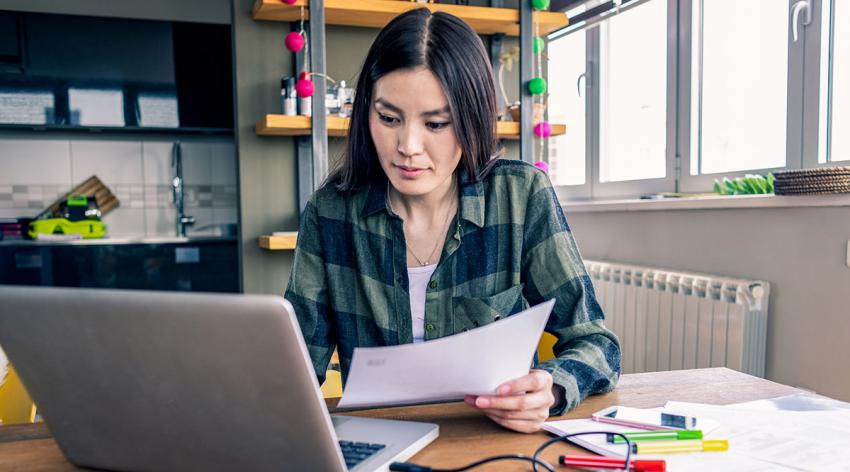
800 440
805 401
472 363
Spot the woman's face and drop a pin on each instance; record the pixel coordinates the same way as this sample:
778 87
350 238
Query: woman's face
413 132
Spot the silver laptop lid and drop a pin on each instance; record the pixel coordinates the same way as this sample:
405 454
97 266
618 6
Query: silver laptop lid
139 380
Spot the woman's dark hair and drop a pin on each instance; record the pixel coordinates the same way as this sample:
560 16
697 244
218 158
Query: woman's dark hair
454 53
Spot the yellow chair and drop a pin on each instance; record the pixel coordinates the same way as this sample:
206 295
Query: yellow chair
15 403
332 388
546 347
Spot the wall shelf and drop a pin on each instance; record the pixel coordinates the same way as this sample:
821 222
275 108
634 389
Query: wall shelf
377 13
286 125
279 241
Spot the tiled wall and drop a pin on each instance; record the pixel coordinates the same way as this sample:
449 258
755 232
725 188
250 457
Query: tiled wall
35 170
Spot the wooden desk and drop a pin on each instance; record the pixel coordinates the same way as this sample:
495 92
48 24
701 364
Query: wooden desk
466 435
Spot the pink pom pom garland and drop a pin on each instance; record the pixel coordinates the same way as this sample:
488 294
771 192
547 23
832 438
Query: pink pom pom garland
294 41
542 165
543 129
304 88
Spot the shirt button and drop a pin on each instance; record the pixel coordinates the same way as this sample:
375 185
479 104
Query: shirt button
399 279
429 327
433 284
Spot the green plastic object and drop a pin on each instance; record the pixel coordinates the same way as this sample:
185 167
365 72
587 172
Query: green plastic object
537 86
88 229
78 199
540 4
750 184
661 435
539 45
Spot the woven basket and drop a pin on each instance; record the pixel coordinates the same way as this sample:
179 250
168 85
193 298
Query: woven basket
821 181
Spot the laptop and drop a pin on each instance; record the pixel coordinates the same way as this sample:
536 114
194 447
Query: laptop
142 380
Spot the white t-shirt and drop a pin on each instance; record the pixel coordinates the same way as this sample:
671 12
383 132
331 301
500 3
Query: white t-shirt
419 278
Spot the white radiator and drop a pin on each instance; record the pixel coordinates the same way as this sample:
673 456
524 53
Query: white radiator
670 320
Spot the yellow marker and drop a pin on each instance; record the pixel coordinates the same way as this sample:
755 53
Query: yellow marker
667 447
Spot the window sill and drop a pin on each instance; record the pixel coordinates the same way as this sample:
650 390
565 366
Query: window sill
707 203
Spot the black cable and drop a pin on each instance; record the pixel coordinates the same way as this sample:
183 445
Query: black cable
410 467
568 436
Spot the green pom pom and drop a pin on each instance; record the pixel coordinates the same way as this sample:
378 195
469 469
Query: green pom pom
539 45
540 4
537 86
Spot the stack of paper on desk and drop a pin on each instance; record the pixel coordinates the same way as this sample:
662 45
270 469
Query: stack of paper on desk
472 363
760 438
787 440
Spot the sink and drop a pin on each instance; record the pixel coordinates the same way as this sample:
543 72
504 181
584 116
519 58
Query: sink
228 230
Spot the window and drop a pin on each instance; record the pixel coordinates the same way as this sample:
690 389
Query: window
739 85
633 94
834 82
567 153
683 92
623 69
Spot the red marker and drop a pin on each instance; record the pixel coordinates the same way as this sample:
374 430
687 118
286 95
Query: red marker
600 462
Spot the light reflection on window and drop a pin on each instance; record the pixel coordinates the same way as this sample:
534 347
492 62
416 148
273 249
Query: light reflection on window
158 110
26 107
96 107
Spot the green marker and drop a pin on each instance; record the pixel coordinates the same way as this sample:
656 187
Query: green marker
660 435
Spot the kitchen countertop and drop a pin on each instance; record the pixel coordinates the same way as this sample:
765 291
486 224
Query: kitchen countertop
199 239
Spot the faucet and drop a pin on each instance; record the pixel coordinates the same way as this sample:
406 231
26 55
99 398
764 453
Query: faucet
177 193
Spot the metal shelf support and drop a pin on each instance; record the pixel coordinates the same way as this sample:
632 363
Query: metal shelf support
526 63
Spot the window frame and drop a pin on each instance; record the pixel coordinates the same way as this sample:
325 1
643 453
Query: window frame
631 188
704 182
802 123
811 129
582 191
592 188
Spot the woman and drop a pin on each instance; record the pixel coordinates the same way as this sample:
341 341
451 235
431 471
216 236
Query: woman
423 232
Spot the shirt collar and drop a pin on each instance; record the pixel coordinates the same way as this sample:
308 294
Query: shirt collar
471 199
376 199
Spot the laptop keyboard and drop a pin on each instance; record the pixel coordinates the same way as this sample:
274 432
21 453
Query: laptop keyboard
357 452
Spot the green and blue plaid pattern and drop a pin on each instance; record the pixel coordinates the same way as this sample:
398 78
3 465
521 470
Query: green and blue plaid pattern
508 248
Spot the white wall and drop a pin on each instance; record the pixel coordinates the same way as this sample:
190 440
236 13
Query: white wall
39 168
800 251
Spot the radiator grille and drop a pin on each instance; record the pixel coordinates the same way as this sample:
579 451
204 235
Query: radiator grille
669 320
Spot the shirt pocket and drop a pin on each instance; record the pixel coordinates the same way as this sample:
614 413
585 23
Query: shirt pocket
472 312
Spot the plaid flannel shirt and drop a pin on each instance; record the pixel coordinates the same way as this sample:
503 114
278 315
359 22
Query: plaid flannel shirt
509 247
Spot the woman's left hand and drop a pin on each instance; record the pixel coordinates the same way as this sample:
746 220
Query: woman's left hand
521 404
